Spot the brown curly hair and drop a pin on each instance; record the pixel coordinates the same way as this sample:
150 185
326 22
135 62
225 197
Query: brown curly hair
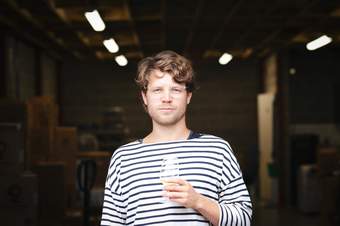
166 61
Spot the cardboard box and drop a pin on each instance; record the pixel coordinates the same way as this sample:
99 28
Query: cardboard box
65 149
12 111
42 119
18 216
52 190
39 145
42 112
18 199
10 169
330 193
328 161
330 198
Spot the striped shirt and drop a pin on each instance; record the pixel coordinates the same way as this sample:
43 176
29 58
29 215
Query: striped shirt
133 190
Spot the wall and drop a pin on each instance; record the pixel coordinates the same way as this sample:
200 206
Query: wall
26 70
49 76
19 69
226 103
313 89
88 89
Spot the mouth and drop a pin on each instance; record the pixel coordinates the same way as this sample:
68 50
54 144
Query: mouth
166 109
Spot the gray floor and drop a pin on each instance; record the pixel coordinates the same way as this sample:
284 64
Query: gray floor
265 214
271 216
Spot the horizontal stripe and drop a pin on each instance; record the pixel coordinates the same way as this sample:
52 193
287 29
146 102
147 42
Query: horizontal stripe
181 222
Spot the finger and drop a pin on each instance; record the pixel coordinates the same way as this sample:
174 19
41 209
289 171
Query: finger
175 181
175 195
175 187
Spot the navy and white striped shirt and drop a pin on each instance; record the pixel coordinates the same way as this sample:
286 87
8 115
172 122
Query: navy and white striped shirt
133 190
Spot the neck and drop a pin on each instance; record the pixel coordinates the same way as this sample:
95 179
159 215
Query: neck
167 133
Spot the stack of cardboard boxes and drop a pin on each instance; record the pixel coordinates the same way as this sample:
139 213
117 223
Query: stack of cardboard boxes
65 150
19 199
37 163
18 188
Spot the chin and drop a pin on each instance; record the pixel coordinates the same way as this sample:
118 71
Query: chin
168 121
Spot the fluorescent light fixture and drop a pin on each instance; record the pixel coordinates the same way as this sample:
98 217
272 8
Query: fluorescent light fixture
319 42
225 58
95 20
121 60
111 45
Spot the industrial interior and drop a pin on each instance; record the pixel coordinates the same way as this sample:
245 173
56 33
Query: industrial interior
269 83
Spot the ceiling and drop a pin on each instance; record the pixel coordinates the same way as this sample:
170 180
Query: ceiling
201 29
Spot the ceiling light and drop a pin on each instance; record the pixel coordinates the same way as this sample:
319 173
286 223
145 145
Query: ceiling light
121 60
95 20
319 42
225 58
111 45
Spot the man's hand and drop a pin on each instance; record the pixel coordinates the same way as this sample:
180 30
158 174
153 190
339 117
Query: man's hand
182 192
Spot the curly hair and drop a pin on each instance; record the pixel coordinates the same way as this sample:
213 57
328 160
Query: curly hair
166 61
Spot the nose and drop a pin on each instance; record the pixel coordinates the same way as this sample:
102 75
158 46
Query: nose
166 97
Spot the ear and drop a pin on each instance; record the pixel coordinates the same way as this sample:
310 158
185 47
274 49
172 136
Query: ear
189 97
143 94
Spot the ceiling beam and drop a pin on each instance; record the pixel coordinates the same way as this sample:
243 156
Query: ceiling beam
286 23
236 7
194 25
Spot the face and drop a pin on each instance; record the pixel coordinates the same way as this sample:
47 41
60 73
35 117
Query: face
165 99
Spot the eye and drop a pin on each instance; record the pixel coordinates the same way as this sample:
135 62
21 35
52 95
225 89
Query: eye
156 90
177 90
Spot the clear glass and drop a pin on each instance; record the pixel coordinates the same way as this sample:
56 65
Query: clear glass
169 169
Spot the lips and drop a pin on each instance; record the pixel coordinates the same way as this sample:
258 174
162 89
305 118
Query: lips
166 109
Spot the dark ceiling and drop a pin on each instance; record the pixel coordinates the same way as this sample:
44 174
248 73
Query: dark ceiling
199 29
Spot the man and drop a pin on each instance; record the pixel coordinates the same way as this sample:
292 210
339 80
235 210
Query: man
209 189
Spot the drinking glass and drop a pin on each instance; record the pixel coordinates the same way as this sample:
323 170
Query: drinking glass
169 169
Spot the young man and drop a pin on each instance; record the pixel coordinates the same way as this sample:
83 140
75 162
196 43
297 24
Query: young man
209 189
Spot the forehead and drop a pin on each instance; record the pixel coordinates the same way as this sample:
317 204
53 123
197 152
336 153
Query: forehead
161 78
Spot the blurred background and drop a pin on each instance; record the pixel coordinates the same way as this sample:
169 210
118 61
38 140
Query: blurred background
68 99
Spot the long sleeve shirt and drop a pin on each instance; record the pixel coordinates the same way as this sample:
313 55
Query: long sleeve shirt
133 189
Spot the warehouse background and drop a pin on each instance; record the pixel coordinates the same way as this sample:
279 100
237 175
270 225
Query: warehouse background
64 107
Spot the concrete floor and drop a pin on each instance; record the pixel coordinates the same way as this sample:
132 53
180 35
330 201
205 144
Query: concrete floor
271 216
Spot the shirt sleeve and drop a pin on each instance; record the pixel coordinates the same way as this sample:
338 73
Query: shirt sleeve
114 209
234 200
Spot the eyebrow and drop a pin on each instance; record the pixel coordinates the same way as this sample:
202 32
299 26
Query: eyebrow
172 86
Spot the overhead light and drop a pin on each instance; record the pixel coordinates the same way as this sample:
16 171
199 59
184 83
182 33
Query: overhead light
121 60
111 45
225 58
95 20
319 42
